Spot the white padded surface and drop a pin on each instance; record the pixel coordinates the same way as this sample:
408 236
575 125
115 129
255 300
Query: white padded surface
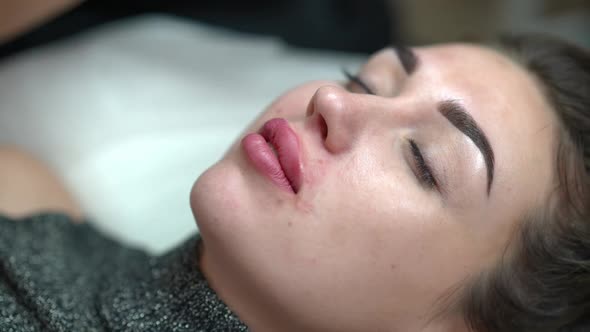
130 114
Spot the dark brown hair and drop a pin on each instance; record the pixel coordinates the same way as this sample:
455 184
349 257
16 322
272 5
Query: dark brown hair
542 282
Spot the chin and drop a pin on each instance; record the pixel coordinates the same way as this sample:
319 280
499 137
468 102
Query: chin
216 201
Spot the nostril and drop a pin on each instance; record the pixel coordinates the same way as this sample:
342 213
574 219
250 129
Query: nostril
321 122
323 126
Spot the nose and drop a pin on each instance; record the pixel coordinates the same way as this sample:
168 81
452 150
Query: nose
343 117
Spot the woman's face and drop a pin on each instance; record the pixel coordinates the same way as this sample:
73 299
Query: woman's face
402 195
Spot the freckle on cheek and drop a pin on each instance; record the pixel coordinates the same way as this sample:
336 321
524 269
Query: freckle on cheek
279 202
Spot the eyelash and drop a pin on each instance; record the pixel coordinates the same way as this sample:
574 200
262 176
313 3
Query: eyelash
357 80
424 173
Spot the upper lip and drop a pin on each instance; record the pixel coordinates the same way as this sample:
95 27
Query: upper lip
283 138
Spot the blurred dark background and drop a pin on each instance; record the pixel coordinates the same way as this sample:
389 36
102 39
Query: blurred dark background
345 25
361 26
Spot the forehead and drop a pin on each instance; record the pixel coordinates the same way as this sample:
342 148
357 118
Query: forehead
508 104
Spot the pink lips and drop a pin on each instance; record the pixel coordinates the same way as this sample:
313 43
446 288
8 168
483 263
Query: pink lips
284 168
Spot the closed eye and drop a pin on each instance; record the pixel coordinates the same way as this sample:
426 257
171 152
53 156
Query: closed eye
422 170
358 81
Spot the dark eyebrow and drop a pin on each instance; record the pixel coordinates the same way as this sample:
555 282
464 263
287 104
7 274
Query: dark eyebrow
458 116
407 57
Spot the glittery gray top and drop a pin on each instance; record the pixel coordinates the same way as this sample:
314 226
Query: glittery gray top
60 276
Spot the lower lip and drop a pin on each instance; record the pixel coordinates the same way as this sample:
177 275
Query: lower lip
264 159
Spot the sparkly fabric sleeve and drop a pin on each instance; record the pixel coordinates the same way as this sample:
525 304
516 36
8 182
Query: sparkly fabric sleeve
60 276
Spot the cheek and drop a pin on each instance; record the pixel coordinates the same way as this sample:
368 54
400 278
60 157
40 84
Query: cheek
382 216
362 206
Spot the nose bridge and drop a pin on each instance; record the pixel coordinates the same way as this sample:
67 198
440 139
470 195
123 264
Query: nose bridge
348 116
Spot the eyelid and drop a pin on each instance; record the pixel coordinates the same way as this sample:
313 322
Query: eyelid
357 80
421 168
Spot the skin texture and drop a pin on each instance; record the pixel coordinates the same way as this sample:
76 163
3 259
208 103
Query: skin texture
363 246
28 187
19 16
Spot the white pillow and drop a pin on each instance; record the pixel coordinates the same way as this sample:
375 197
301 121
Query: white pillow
131 113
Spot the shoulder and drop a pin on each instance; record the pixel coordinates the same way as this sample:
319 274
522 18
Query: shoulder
54 237
52 270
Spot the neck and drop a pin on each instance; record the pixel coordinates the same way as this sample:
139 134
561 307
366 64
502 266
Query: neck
244 299
262 315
